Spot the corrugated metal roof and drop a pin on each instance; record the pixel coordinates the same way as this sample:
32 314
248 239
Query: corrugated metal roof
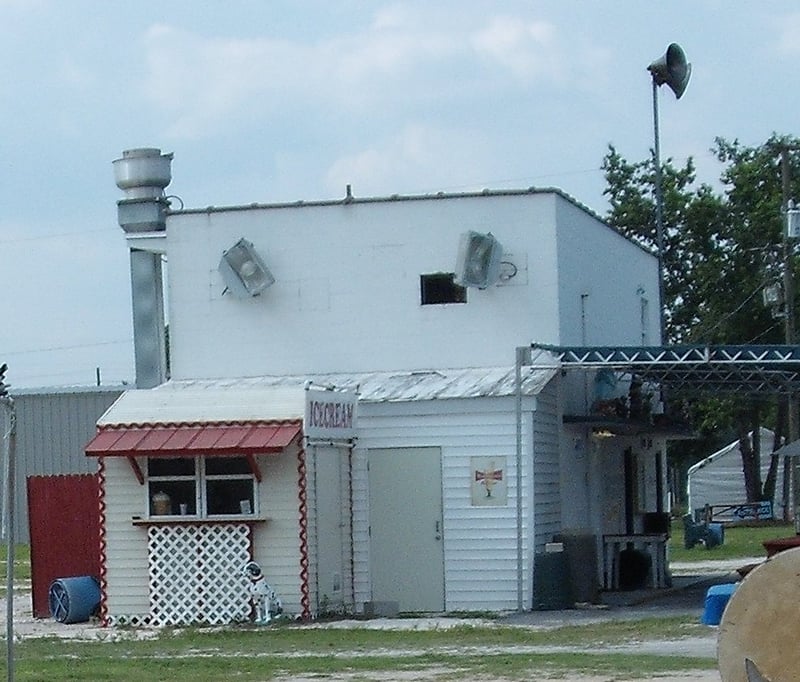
191 439
173 403
282 397
403 386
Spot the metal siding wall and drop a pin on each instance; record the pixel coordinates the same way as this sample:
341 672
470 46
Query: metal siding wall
52 429
480 542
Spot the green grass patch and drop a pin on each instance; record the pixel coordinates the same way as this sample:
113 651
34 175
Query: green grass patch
267 666
741 541
206 655
22 562
322 641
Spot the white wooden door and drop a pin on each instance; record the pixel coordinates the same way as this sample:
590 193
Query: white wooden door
406 542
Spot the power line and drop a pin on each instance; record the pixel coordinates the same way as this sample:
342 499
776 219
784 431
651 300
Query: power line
52 349
54 235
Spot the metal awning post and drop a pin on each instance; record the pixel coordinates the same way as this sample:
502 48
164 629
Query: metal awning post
523 357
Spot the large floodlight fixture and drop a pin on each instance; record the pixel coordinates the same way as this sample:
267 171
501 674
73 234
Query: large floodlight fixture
243 270
478 260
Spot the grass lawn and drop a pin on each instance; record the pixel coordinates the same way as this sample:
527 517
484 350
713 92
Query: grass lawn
294 652
741 541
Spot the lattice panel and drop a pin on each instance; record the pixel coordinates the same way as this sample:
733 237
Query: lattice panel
197 574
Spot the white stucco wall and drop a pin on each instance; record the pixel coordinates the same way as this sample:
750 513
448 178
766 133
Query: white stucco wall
603 280
347 290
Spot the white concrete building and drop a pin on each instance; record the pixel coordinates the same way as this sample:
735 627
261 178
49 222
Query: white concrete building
454 478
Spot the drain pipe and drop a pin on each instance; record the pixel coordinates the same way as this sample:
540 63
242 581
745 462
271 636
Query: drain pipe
142 174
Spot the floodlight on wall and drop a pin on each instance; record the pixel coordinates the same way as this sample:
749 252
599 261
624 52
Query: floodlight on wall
479 260
243 270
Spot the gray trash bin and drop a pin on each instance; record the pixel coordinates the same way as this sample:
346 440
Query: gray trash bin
551 584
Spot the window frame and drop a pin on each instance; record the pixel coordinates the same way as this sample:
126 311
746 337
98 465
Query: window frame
199 510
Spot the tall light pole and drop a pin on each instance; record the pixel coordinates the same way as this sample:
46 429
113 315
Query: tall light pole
673 70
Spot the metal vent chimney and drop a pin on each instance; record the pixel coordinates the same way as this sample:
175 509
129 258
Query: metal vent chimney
142 174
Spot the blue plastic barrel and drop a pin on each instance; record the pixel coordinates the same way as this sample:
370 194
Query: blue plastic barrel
715 535
716 600
74 600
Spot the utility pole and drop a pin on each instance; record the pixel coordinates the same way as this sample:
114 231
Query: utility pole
793 418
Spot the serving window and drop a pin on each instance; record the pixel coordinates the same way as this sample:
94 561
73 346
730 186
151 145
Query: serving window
201 487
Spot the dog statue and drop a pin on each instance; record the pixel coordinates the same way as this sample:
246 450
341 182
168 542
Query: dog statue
266 604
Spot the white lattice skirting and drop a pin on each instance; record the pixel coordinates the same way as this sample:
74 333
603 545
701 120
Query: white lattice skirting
197 574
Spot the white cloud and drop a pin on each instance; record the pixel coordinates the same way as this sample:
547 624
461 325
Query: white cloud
788 30
203 81
402 56
417 159
529 49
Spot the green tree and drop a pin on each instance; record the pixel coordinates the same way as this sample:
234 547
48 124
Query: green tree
721 247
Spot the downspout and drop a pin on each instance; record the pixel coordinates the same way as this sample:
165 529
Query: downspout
523 357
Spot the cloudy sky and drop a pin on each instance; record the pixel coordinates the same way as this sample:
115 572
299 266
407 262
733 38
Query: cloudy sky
278 100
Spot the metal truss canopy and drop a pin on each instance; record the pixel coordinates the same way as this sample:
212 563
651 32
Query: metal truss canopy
745 370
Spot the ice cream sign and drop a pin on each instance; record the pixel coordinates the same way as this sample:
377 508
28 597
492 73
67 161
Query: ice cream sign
330 414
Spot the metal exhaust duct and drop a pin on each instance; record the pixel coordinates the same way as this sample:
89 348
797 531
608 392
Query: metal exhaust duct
142 174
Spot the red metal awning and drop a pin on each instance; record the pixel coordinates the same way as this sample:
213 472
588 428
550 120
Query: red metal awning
190 440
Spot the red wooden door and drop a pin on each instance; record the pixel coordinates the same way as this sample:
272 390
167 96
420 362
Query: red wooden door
64 519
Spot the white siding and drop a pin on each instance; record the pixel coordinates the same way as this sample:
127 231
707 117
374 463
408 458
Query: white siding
127 584
480 543
276 543
546 467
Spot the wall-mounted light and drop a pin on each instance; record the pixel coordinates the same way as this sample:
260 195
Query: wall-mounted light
479 260
243 270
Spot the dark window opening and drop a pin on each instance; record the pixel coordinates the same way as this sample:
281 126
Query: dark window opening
229 496
170 466
440 288
219 466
